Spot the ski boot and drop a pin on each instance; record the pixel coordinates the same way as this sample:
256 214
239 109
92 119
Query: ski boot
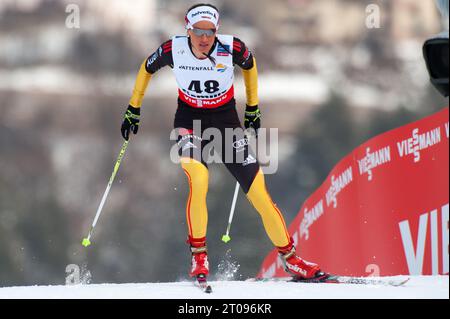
299 269
199 261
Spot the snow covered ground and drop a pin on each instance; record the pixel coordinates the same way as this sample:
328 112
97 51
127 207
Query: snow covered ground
418 287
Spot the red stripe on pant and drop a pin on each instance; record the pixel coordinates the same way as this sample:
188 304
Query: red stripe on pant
188 207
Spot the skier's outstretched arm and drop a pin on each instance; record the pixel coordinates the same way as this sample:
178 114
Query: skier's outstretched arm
245 59
140 86
160 58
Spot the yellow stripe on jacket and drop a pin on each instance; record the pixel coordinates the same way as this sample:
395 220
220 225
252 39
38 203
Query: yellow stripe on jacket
251 84
140 86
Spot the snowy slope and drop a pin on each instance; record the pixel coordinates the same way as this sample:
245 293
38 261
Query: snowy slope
435 287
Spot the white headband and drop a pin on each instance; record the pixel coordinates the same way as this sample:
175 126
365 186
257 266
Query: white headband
203 13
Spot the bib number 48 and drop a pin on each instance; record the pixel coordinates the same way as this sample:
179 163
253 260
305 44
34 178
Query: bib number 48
209 86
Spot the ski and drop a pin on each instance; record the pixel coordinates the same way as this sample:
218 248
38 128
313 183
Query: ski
202 283
329 278
337 279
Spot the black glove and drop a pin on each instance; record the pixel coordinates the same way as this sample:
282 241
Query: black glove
252 118
130 121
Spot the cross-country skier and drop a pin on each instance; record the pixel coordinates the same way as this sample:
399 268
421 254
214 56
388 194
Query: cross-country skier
203 63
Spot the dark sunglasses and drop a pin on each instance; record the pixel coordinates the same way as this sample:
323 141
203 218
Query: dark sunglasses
200 32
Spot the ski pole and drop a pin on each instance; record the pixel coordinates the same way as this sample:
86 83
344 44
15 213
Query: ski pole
226 238
86 241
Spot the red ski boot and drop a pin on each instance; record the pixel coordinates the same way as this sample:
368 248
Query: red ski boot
296 266
199 262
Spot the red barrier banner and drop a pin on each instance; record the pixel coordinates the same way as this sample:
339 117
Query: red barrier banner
383 209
